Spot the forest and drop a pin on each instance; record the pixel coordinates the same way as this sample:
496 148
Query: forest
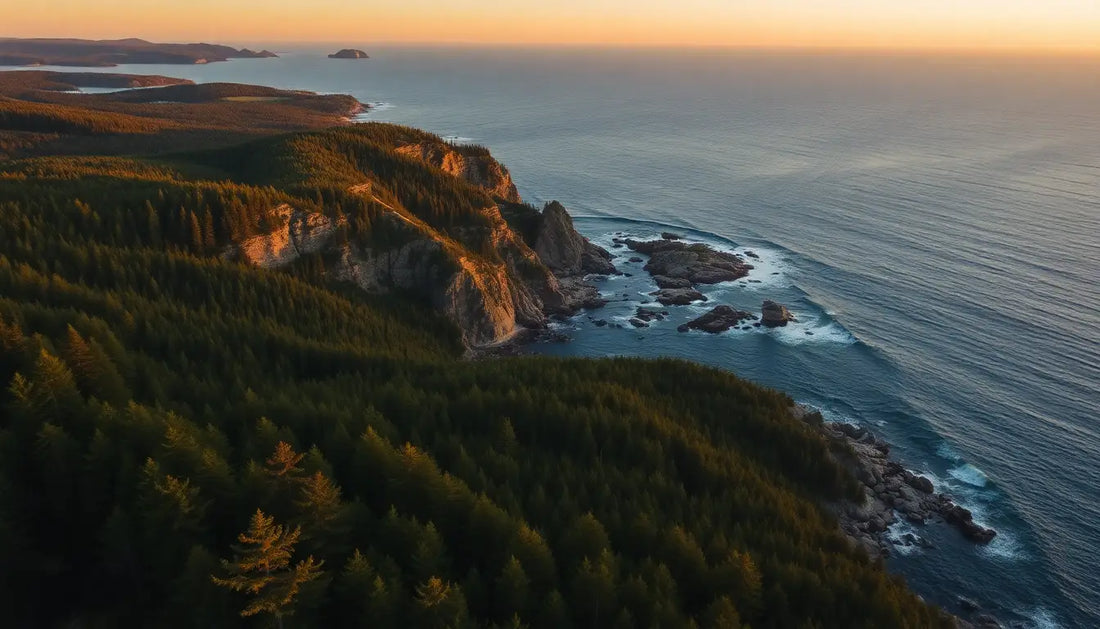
191 441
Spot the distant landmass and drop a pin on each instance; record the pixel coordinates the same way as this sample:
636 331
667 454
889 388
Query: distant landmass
108 53
349 53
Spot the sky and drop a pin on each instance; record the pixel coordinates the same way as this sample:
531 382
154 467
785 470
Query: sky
970 24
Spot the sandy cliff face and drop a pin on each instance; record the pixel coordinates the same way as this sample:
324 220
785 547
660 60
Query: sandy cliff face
300 233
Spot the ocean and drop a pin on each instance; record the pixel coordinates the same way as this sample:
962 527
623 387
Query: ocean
933 220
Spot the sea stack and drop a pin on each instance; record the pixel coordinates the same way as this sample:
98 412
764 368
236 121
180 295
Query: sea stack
775 315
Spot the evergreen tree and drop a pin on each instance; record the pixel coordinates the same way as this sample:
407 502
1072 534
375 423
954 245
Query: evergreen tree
262 568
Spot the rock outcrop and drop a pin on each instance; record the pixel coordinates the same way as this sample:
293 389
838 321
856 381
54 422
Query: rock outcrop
565 251
774 315
697 263
890 491
470 163
297 233
719 319
489 296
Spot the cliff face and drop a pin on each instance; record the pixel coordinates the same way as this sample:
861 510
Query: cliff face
489 294
565 251
472 164
300 233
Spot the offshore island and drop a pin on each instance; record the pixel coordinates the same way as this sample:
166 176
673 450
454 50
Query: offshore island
226 310
349 53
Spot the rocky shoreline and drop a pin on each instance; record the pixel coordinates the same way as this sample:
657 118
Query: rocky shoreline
891 492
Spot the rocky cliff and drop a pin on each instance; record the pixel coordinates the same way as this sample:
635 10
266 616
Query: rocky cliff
471 163
490 291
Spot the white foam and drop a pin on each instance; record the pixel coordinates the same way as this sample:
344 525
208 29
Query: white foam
1005 546
896 531
970 475
458 139
948 452
769 268
1043 619
834 417
822 333
374 108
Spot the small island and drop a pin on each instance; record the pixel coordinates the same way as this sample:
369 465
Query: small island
349 53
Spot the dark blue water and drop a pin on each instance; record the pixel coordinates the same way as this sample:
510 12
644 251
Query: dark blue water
933 221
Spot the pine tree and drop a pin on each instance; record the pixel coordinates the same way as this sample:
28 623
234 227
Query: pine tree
439 604
321 513
262 568
512 589
721 614
285 462
94 372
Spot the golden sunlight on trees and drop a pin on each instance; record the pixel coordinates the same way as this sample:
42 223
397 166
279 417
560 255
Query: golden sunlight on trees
262 568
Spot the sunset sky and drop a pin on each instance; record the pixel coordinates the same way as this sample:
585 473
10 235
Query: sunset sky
1030 24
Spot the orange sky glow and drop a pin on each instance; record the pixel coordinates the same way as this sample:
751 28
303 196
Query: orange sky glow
1067 25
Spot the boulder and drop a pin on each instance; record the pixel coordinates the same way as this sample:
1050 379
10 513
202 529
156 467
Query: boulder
719 319
678 296
775 315
638 323
963 520
670 236
921 484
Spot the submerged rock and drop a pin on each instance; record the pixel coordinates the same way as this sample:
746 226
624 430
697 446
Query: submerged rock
720 319
671 282
678 296
648 314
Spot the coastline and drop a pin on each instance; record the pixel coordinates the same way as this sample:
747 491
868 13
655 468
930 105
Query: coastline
868 458
893 493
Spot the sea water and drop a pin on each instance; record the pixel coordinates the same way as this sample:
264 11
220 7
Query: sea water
933 221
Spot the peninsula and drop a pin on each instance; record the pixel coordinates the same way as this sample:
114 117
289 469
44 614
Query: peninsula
113 52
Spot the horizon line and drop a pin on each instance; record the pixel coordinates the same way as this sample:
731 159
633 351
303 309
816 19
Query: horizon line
1038 50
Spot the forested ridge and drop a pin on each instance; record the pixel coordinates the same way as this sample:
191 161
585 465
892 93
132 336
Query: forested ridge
192 441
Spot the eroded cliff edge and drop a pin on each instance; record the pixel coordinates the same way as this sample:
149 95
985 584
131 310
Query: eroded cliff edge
501 267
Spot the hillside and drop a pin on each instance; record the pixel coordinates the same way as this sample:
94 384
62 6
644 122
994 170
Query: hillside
203 341
113 52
